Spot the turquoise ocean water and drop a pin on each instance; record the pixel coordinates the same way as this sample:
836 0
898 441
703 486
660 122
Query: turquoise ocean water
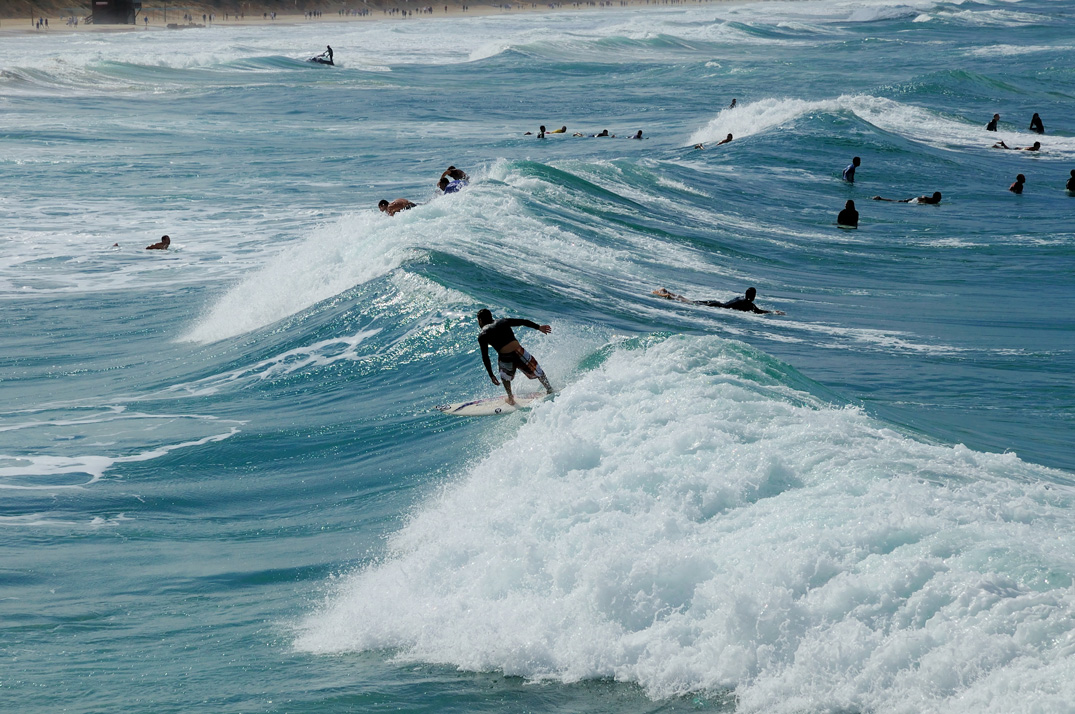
223 487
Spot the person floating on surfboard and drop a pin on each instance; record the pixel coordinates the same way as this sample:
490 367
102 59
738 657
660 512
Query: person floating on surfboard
744 303
510 354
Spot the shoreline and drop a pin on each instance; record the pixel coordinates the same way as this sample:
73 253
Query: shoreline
164 20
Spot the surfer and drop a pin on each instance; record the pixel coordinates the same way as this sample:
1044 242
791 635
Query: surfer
561 130
452 180
849 172
1035 124
992 125
165 241
604 133
1036 146
1071 182
849 217
1017 187
636 136
732 105
510 354
541 132
725 140
744 303
934 199
394 207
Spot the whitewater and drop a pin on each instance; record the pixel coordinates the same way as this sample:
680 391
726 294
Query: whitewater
224 486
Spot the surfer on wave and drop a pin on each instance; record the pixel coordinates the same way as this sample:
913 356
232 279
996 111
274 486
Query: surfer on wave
510 354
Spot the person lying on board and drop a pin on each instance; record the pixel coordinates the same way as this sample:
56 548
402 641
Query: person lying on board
165 241
394 207
1036 146
934 199
743 304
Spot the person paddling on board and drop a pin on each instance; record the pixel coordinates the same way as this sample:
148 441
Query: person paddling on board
165 241
743 304
510 354
935 198
452 180
394 207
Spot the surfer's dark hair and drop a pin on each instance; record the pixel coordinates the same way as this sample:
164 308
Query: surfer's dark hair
484 316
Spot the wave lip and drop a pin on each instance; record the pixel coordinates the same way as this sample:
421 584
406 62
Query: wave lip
686 519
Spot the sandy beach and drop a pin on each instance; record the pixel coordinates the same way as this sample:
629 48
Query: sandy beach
168 16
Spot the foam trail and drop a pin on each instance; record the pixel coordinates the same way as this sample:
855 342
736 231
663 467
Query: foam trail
684 519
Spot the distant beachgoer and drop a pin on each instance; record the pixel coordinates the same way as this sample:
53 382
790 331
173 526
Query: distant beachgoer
743 304
394 207
1071 181
849 172
725 140
848 217
1036 146
561 130
636 136
732 105
992 125
1017 187
1035 124
510 354
935 198
165 241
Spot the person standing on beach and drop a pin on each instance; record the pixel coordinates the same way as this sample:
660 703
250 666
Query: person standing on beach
510 354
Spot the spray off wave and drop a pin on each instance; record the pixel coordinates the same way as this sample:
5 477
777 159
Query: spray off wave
707 526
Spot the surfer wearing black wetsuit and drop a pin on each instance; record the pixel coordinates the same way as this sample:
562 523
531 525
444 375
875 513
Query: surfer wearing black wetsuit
510 354
992 125
1035 124
1071 182
848 217
743 304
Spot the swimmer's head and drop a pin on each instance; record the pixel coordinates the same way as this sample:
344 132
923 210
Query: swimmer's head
849 204
484 317
936 195
166 240
1020 178
856 161
751 293
382 204
1037 145
443 183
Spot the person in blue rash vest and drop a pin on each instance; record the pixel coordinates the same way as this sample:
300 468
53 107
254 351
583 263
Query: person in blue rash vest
849 172
510 354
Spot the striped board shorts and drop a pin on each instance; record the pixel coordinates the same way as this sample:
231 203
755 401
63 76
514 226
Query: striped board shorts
519 358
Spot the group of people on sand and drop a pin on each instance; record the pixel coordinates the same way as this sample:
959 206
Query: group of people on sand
849 216
451 181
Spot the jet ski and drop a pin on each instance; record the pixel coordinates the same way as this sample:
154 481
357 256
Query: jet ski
323 58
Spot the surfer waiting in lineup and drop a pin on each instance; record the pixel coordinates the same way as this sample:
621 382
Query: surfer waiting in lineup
510 354
849 172
1017 187
394 207
452 180
1035 124
934 199
992 125
1071 182
849 217
743 304
165 241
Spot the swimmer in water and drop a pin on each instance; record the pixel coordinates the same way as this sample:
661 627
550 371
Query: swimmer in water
561 130
725 140
742 304
394 207
452 180
1035 124
992 125
636 136
509 353
165 241
1017 187
849 217
1071 182
934 199
849 172
604 133
1036 146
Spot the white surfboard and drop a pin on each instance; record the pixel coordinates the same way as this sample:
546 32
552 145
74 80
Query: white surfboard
493 405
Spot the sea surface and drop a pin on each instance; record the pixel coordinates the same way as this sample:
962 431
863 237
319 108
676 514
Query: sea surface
223 483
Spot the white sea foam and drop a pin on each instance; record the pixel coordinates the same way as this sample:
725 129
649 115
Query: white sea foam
682 519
